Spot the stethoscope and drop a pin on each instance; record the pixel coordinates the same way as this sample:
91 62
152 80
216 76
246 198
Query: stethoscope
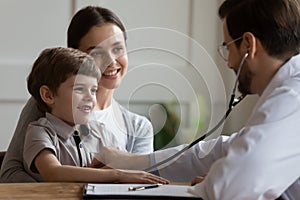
232 103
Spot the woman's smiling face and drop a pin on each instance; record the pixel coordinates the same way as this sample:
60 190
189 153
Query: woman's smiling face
106 44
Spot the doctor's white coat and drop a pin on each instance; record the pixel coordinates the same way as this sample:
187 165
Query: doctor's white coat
261 161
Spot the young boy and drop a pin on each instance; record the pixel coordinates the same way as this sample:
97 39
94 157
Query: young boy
64 81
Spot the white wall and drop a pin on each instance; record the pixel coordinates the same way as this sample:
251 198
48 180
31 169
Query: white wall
172 50
27 27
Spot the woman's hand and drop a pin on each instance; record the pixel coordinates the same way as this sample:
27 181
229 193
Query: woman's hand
135 176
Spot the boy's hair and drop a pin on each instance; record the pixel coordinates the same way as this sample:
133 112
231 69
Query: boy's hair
56 65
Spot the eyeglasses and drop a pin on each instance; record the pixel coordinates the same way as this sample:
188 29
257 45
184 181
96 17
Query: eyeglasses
223 48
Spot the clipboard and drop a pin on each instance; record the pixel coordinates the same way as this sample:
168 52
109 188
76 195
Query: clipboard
120 191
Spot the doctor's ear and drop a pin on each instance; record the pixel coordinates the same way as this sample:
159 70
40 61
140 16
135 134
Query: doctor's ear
47 95
249 44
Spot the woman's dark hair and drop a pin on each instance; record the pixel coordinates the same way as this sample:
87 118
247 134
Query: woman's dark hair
276 23
88 17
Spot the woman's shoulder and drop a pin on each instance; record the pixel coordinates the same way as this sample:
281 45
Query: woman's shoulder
30 111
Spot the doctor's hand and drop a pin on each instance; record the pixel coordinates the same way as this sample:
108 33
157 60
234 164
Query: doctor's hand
97 164
114 158
198 179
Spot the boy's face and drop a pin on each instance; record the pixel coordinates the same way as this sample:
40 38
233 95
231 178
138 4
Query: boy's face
75 99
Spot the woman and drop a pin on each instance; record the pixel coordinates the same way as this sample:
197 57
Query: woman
100 32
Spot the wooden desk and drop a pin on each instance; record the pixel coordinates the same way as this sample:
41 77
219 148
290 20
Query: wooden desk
43 191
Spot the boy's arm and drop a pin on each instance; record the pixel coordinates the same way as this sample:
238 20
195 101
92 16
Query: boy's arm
51 170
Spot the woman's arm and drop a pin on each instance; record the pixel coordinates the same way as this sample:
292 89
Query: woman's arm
12 169
51 170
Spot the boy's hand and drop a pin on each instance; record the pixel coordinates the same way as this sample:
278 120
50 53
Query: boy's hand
135 176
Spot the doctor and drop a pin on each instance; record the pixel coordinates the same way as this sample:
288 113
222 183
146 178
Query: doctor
262 160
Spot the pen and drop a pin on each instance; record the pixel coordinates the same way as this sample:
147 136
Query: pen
144 187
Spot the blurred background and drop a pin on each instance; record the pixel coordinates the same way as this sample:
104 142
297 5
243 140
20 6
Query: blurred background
175 77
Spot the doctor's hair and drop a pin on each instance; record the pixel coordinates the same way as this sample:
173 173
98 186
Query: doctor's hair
54 66
88 17
276 23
